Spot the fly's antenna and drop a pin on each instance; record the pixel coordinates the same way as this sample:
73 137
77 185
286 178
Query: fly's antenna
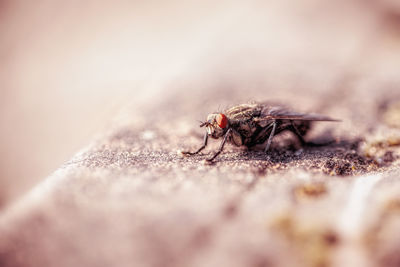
205 123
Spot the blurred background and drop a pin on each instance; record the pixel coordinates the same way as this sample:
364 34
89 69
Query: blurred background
68 67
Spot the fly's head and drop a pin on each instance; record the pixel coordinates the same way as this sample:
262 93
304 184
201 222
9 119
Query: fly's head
216 125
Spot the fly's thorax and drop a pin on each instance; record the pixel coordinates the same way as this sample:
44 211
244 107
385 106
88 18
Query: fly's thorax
236 138
246 128
217 125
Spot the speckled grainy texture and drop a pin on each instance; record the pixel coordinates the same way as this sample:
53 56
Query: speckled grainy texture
131 199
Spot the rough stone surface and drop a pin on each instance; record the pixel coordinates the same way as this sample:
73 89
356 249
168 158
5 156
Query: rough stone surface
131 197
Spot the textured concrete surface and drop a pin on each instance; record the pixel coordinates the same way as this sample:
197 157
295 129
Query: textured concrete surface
131 199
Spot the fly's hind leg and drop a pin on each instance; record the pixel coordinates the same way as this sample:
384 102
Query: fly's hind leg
200 149
271 136
221 146
296 131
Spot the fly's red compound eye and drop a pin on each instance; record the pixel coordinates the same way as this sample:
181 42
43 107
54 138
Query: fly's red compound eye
221 120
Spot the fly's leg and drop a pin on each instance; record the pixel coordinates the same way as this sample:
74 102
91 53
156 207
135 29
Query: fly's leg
304 142
221 146
271 136
200 149
298 134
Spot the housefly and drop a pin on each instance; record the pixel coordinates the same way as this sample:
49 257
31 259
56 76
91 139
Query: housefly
254 124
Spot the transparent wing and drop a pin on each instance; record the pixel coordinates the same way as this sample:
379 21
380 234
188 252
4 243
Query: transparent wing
282 113
302 117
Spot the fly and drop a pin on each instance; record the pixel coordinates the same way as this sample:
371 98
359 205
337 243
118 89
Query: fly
254 124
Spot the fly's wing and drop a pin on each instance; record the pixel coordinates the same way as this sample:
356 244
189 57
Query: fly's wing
270 113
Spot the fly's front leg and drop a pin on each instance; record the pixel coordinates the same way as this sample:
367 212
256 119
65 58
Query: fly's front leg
221 146
271 136
200 149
